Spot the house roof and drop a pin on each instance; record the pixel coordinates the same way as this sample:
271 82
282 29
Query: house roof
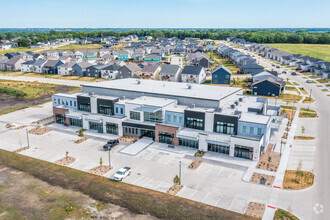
39 62
67 65
221 67
29 62
150 68
14 60
170 69
112 67
272 80
133 67
193 70
51 63
252 66
84 65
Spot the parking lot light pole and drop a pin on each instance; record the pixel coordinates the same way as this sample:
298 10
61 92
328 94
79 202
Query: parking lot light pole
27 137
109 158
281 147
180 172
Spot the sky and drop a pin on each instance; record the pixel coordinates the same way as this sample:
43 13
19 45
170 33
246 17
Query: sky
165 14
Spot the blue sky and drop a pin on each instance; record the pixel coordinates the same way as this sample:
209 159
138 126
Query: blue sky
165 13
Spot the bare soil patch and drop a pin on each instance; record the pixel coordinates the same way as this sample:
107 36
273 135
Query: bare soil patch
304 138
269 160
195 164
66 161
256 178
100 170
39 131
81 140
174 189
255 209
21 149
297 179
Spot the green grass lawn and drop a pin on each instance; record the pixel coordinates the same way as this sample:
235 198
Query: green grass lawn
218 60
321 51
281 214
291 88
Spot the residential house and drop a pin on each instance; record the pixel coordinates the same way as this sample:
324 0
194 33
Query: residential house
38 66
252 69
221 75
152 57
50 66
193 74
170 73
79 69
110 71
14 64
27 66
66 69
150 72
95 70
128 71
267 84
3 64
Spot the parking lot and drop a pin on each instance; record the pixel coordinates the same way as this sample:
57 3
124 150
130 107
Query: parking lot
154 167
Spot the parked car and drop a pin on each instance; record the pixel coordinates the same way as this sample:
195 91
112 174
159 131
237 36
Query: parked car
293 73
309 81
278 67
298 69
304 71
122 173
284 72
110 144
273 64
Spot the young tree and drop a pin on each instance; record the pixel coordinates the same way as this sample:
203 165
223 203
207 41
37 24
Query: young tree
101 162
176 180
81 133
67 154
302 129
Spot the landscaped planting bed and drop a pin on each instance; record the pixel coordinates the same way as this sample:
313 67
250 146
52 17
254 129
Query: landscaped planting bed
20 127
255 209
174 189
256 177
269 160
81 140
100 170
295 179
127 139
281 214
195 164
39 131
66 161
304 138
21 149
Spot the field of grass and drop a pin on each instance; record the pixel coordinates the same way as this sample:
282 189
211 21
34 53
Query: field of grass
291 88
135 199
321 51
290 97
78 46
18 49
308 100
53 76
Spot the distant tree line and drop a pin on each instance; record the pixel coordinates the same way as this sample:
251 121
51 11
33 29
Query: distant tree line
257 36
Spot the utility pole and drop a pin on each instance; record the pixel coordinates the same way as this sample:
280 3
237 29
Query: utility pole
281 147
27 137
180 172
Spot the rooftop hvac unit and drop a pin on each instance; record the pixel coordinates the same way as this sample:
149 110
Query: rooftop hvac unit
188 86
218 109
232 106
240 99
138 81
236 102
237 112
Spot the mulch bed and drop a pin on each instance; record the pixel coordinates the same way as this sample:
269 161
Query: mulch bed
81 140
127 139
255 209
100 170
255 178
49 123
21 149
43 119
270 160
66 161
174 189
20 127
195 164
39 131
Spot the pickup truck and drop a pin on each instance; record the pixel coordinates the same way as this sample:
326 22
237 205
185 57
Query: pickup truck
110 144
122 173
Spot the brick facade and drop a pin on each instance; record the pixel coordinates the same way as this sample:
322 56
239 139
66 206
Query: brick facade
168 129
62 112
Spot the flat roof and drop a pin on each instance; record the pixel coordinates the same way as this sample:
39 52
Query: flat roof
175 89
151 101
253 118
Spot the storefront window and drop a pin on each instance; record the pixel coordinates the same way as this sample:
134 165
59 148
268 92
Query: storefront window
188 143
218 148
195 123
225 128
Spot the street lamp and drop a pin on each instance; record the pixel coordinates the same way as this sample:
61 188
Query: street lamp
281 147
27 137
109 158
180 172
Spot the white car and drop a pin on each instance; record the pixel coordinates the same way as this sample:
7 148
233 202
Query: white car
122 173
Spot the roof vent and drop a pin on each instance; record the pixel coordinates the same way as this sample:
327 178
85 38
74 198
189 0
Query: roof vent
232 106
236 102
237 112
188 86
240 99
138 81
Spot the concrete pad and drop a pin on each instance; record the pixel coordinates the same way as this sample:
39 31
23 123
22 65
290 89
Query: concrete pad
186 192
137 147
225 201
238 205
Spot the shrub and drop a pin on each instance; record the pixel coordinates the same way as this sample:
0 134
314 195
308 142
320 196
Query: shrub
81 133
176 180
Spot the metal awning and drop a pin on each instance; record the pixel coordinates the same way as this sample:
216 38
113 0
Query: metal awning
220 139
74 115
190 135
150 109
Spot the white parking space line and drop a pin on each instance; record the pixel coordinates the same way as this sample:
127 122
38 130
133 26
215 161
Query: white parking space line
220 171
137 180
205 196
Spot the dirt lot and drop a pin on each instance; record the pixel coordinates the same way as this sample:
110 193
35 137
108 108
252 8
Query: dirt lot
11 103
25 197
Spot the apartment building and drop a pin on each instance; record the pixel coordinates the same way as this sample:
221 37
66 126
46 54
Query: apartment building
204 117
